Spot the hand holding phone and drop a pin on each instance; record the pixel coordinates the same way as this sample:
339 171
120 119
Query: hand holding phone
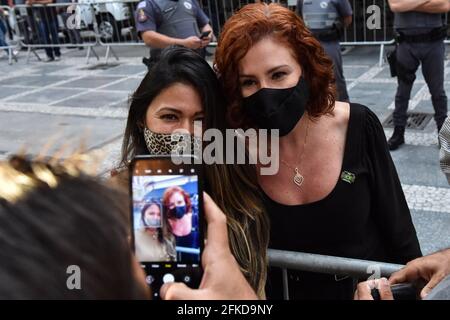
218 259
205 35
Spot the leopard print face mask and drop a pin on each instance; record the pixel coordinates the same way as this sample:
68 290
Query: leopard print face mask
168 144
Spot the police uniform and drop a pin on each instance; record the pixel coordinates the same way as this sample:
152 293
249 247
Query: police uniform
324 19
177 19
420 40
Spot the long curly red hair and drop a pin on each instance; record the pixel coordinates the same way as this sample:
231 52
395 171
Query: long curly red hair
255 22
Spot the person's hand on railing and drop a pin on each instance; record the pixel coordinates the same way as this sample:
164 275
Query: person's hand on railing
364 289
433 269
222 278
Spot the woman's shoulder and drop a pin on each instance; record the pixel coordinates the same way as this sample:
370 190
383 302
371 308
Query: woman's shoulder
341 113
338 120
355 117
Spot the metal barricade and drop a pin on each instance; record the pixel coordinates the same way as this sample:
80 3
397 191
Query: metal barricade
357 34
8 38
354 268
110 23
115 24
372 25
220 11
54 26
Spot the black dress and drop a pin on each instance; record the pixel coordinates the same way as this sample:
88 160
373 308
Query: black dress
365 216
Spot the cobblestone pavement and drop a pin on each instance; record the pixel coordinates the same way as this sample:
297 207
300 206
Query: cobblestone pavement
63 100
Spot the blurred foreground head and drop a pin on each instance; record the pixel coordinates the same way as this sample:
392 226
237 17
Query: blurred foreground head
53 217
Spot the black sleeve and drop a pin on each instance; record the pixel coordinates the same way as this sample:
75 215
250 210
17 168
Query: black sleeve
388 203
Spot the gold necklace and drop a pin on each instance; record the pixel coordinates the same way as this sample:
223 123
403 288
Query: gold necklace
298 178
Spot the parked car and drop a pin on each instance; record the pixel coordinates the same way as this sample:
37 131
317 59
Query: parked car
111 17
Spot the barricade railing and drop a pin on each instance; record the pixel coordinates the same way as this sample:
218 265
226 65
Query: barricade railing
54 26
372 25
8 43
116 25
372 21
338 266
112 23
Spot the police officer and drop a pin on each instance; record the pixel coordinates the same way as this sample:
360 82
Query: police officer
327 19
419 33
162 23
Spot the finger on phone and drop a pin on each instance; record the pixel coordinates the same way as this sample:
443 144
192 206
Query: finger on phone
217 222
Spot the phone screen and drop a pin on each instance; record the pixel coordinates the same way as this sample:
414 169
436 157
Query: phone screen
167 219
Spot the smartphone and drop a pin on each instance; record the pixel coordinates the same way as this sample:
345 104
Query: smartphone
205 34
167 219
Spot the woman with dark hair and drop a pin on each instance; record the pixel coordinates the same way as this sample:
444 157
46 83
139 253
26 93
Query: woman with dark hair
337 191
154 241
178 90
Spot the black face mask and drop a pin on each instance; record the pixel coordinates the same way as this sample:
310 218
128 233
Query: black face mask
278 108
177 212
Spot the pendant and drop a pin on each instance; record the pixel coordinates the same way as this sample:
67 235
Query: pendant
298 178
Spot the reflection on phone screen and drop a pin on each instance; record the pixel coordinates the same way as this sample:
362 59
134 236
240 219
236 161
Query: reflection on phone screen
166 218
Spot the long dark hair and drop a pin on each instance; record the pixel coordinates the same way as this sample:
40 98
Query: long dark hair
232 187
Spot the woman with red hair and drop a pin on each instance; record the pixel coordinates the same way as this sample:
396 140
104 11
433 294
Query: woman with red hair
183 224
337 191
177 203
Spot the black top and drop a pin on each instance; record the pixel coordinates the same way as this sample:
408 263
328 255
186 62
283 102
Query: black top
365 216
